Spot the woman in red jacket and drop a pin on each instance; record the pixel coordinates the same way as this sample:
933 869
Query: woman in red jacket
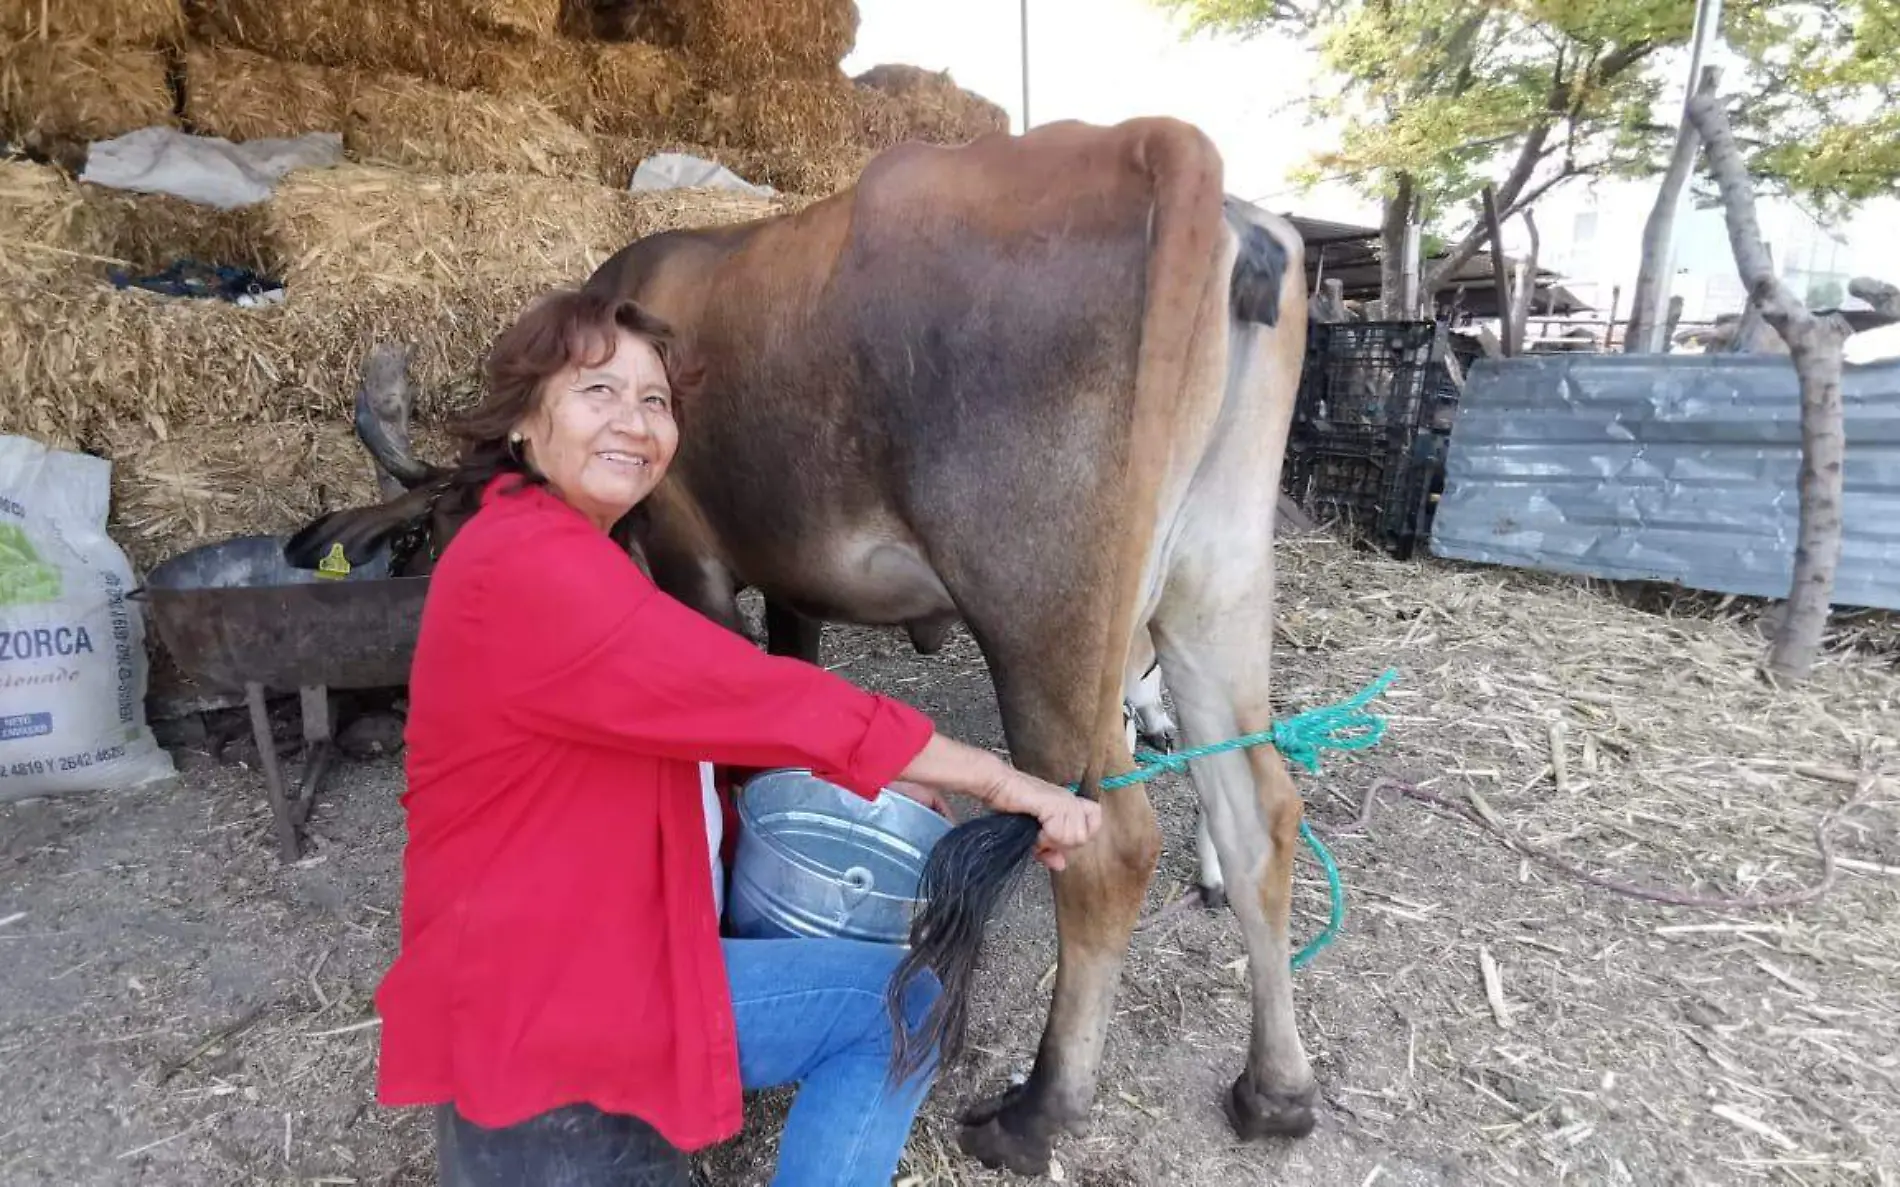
562 994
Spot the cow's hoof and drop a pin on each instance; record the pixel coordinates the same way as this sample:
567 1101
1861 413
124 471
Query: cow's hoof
1256 1115
1003 1133
1214 898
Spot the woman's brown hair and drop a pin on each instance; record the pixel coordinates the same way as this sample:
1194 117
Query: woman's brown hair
567 327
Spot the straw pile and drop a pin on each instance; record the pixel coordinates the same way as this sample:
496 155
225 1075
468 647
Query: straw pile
50 226
790 114
102 22
174 491
518 18
908 103
367 254
410 36
43 220
558 73
241 95
738 40
389 118
637 89
75 90
418 125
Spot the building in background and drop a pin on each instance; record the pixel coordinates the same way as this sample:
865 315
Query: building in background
1593 236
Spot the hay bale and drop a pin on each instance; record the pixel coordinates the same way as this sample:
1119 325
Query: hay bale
815 172
899 103
369 255
73 90
515 18
44 224
557 72
638 90
51 225
150 231
176 487
240 95
433 39
781 114
364 230
418 125
357 231
732 41
102 22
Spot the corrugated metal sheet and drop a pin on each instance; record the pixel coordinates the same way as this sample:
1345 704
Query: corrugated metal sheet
1665 468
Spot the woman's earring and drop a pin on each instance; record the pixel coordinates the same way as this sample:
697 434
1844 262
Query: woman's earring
514 446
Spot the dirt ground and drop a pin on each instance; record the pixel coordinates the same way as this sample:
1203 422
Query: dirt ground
176 1008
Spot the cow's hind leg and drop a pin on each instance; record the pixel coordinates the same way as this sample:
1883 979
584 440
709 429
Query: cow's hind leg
1213 656
1045 706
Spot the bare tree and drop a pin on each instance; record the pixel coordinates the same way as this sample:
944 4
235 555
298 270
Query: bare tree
1646 309
1814 346
1526 288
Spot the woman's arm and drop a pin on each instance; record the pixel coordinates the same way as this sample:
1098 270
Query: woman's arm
605 658
1067 819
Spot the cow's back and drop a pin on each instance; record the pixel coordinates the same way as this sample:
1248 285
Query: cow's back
941 354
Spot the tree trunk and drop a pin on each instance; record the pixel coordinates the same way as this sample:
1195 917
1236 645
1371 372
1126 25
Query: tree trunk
1815 348
1398 212
1495 227
1646 310
1526 293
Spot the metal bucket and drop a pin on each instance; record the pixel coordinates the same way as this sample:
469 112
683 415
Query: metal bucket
815 860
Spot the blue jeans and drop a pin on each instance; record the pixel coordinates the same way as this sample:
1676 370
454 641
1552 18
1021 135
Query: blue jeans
811 1012
808 1012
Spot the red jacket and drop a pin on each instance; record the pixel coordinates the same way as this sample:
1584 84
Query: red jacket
559 942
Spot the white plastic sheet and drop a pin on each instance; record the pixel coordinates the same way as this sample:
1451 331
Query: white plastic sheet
209 170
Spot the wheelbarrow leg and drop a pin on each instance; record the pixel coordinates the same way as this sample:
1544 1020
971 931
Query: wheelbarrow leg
318 748
273 773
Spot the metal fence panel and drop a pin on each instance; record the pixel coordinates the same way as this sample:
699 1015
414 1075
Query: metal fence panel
1678 468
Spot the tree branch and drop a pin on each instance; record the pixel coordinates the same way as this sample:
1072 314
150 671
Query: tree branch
1466 247
1618 60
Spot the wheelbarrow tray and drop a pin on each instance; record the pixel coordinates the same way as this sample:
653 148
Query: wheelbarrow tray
235 614
238 617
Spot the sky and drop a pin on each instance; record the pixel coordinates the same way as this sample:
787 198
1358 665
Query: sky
1246 94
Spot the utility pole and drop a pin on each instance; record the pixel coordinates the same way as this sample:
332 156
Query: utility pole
1025 41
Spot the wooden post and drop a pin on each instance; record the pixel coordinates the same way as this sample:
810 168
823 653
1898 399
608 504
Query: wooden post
1508 342
1814 346
1525 294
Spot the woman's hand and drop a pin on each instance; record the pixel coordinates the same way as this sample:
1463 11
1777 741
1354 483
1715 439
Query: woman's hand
1068 821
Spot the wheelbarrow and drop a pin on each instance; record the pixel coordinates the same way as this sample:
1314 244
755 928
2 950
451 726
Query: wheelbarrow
240 619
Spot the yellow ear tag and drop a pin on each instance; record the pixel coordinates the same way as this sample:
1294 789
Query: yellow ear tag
334 566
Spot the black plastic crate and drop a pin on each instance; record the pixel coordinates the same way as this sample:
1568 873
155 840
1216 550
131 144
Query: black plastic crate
1365 373
1368 433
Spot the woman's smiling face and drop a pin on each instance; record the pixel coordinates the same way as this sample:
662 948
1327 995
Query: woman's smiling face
604 435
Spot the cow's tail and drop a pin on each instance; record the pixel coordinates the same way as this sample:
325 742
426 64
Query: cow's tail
972 869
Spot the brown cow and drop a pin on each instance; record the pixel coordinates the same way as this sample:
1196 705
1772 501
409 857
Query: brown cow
1040 383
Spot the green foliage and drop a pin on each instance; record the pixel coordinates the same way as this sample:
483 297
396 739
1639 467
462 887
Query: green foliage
1442 97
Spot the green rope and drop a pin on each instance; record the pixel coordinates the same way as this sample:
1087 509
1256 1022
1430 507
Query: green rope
1301 738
